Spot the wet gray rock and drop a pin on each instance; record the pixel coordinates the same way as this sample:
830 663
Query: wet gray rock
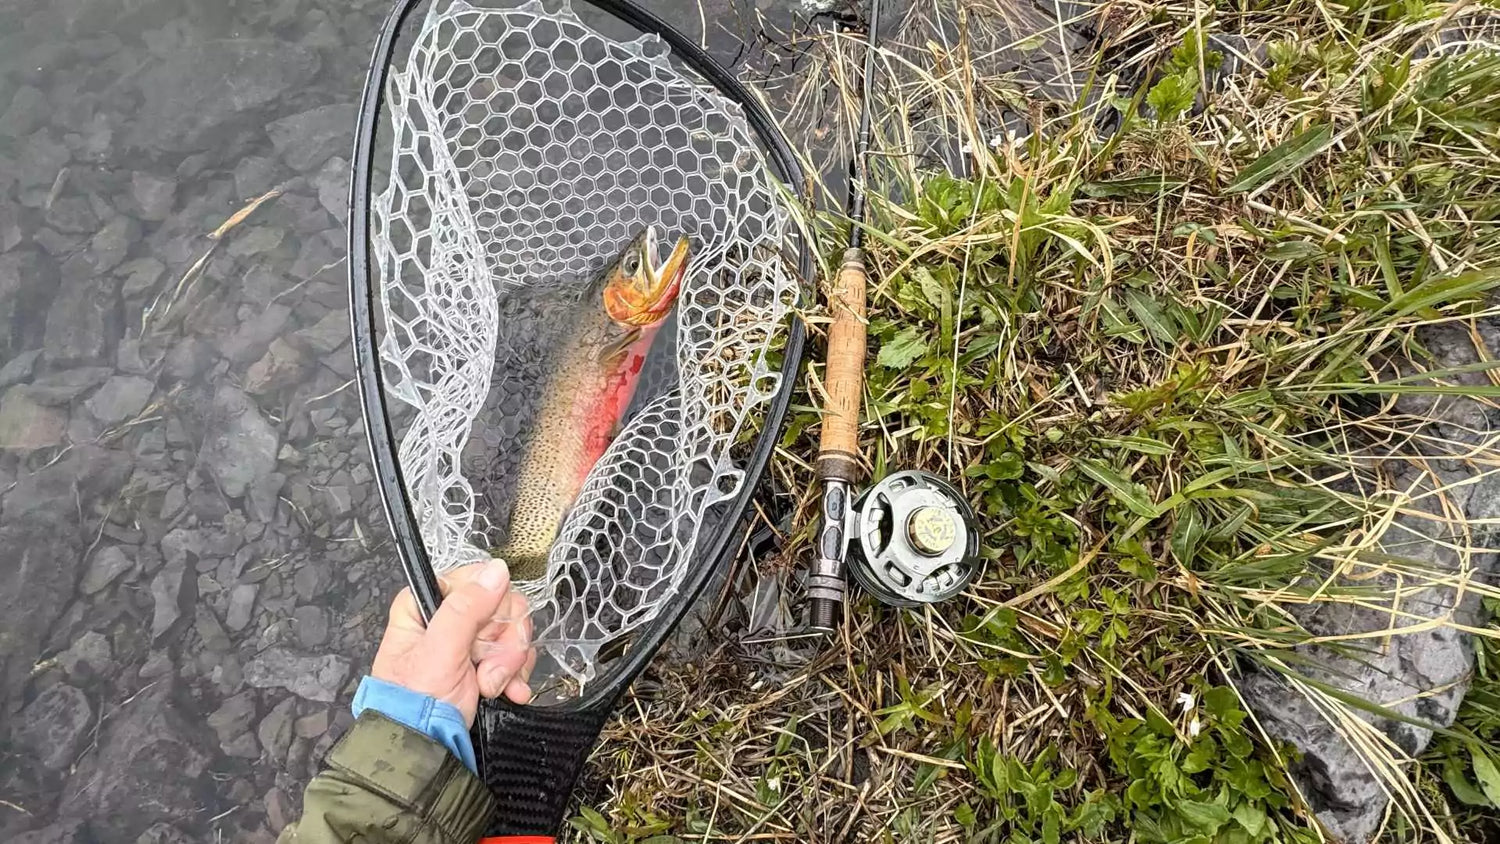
275 730
105 567
43 155
332 183
233 717
18 368
279 366
61 388
154 196
121 398
91 654
36 585
186 104
167 597
241 447
26 113
328 334
26 425
52 727
70 831
241 603
304 141
312 677
312 726
72 214
147 768
80 323
141 276
163 833
1422 674
254 240
311 626
279 808
254 176
112 243
255 334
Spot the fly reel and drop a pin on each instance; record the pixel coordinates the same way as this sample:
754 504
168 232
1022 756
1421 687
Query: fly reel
914 540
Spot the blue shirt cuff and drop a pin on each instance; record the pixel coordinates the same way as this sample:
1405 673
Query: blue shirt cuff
436 719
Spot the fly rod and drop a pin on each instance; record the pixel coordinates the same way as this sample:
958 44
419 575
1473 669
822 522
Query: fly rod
838 462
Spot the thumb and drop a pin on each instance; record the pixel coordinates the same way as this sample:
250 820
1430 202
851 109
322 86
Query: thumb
465 612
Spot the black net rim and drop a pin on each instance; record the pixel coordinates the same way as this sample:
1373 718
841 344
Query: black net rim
380 433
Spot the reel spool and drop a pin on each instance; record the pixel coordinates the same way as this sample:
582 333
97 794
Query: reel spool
915 541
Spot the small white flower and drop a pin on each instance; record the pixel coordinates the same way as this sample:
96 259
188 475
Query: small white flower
966 149
1186 701
1194 728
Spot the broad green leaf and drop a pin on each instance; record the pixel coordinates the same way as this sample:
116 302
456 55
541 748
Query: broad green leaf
1153 316
1117 322
1458 783
1127 492
1283 159
1208 817
1251 817
1294 250
902 350
1487 774
1173 95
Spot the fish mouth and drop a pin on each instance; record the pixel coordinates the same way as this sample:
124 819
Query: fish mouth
639 307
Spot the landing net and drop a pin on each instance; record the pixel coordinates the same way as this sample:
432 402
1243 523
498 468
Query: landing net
527 150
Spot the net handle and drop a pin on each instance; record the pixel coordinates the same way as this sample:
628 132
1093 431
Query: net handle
380 433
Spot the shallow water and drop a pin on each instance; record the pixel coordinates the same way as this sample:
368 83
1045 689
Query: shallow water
198 566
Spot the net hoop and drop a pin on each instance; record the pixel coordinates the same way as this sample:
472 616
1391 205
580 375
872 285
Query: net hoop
711 551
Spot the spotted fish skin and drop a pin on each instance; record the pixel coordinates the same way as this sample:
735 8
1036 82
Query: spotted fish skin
586 394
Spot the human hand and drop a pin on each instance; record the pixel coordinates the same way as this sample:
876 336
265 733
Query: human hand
478 643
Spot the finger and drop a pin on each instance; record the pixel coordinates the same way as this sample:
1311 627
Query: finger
519 691
466 611
513 610
498 669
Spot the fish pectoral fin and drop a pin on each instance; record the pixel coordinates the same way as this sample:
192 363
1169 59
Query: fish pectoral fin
615 349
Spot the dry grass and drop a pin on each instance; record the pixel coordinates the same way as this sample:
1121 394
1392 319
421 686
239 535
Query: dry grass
1173 329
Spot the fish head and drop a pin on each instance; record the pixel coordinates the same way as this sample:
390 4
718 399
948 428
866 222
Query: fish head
636 291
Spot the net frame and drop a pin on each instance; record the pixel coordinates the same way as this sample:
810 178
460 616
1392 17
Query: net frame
531 755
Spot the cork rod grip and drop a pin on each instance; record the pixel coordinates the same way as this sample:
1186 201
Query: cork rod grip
844 377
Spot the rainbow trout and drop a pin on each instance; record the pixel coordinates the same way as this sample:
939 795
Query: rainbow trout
598 365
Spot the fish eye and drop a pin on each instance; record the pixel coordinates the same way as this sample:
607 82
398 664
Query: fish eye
632 264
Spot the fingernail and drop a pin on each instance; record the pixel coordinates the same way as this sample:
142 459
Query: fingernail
495 575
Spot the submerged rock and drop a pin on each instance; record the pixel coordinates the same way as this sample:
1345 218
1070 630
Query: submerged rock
121 397
52 726
147 768
106 566
306 140
241 447
197 92
313 677
26 425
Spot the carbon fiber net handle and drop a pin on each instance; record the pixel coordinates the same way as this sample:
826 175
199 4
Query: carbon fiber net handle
531 757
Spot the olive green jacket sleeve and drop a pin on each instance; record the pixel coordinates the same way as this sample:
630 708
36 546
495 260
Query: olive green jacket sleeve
388 784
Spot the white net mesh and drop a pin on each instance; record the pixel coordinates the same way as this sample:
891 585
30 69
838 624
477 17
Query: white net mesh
527 150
